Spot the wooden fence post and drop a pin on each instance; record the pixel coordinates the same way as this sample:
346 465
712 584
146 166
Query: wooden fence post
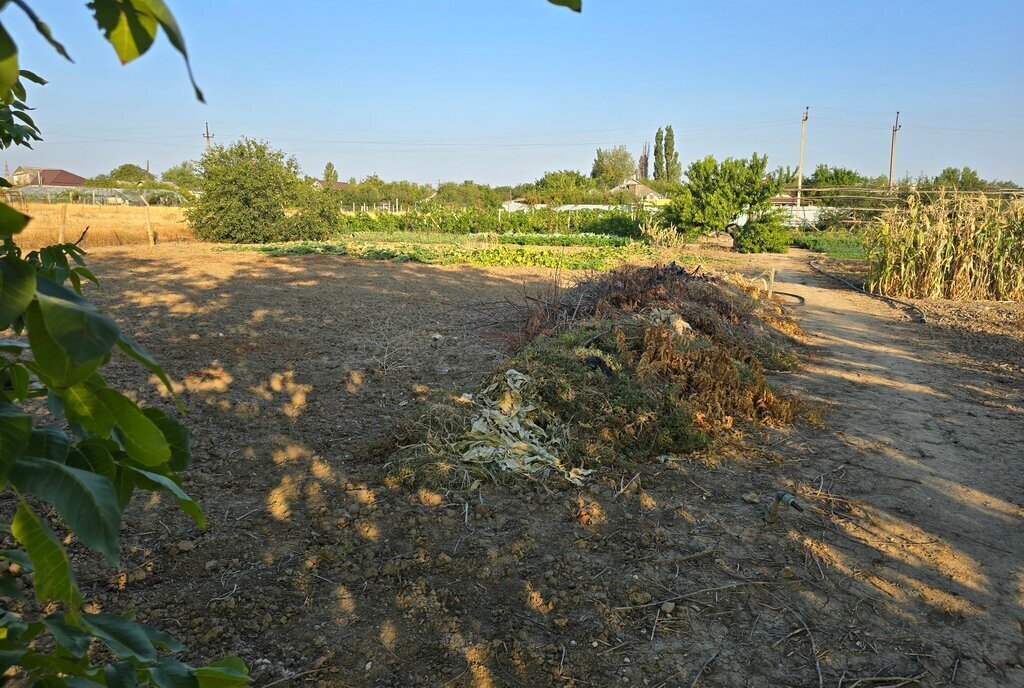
149 226
63 223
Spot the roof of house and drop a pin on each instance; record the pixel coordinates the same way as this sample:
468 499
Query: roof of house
637 189
48 176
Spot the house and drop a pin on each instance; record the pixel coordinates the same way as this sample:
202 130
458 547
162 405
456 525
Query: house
639 190
44 176
319 183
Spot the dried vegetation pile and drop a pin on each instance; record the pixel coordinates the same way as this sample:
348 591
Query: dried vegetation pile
637 364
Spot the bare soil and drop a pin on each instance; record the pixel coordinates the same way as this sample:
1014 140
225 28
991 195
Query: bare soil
905 568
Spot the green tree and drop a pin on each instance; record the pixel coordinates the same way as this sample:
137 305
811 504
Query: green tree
716 193
184 175
330 175
831 176
245 190
659 155
961 179
673 170
612 166
562 186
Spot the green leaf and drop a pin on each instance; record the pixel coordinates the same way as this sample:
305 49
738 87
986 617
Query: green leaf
170 673
12 346
19 380
81 331
53 577
163 641
226 673
71 638
15 431
8 63
574 5
18 556
48 442
126 638
120 675
94 455
44 31
154 481
32 76
82 406
86 501
135 350
17 287
12 221
131 25
50 360
143 440
129 31
178 438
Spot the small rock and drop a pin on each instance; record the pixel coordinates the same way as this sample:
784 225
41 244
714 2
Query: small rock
185 546
750 498
668 607
443 559
212 565
787 572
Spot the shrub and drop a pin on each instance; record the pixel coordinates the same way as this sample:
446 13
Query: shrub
246 189
765 234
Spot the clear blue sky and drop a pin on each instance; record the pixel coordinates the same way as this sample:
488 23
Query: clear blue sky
501 91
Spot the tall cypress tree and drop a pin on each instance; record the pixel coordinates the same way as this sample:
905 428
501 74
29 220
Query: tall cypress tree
659 154
330 175
673 170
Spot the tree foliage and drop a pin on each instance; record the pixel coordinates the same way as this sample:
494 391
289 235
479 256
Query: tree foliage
716 193
246 189
659 154
673 169
330 176
612 166
184 175
72 449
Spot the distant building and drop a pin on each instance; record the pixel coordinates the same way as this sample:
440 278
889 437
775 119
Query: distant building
639 190
336 185
44 176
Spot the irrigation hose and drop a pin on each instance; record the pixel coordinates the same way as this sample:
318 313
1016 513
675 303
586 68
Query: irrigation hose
888 299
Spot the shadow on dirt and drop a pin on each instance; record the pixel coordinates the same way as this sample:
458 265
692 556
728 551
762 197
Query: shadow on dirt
311 565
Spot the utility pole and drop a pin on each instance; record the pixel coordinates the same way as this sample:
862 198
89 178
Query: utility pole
800 167
208 136
892 148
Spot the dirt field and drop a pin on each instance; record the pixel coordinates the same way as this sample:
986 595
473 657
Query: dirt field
108 225
906 568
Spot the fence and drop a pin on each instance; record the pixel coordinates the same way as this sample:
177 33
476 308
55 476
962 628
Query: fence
85 195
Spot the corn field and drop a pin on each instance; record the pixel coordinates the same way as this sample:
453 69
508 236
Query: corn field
953 247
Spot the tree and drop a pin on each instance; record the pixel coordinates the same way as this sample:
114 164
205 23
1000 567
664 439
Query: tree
659 155
612 166
562 186
245 189
831 176
964 179
73 449
673 170
184 175
330 175
716 193
644 163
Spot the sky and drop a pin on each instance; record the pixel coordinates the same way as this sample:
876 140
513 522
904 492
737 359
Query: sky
500 91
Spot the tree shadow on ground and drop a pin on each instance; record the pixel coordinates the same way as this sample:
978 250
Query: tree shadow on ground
311 564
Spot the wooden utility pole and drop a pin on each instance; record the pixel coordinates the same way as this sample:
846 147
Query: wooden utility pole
800 167
208 136
892 148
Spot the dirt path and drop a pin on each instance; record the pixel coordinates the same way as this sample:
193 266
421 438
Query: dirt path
932 445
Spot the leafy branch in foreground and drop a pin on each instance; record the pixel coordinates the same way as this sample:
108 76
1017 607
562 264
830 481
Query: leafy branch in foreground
73 450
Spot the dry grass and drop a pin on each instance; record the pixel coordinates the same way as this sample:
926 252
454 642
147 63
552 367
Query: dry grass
953 247
108 225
